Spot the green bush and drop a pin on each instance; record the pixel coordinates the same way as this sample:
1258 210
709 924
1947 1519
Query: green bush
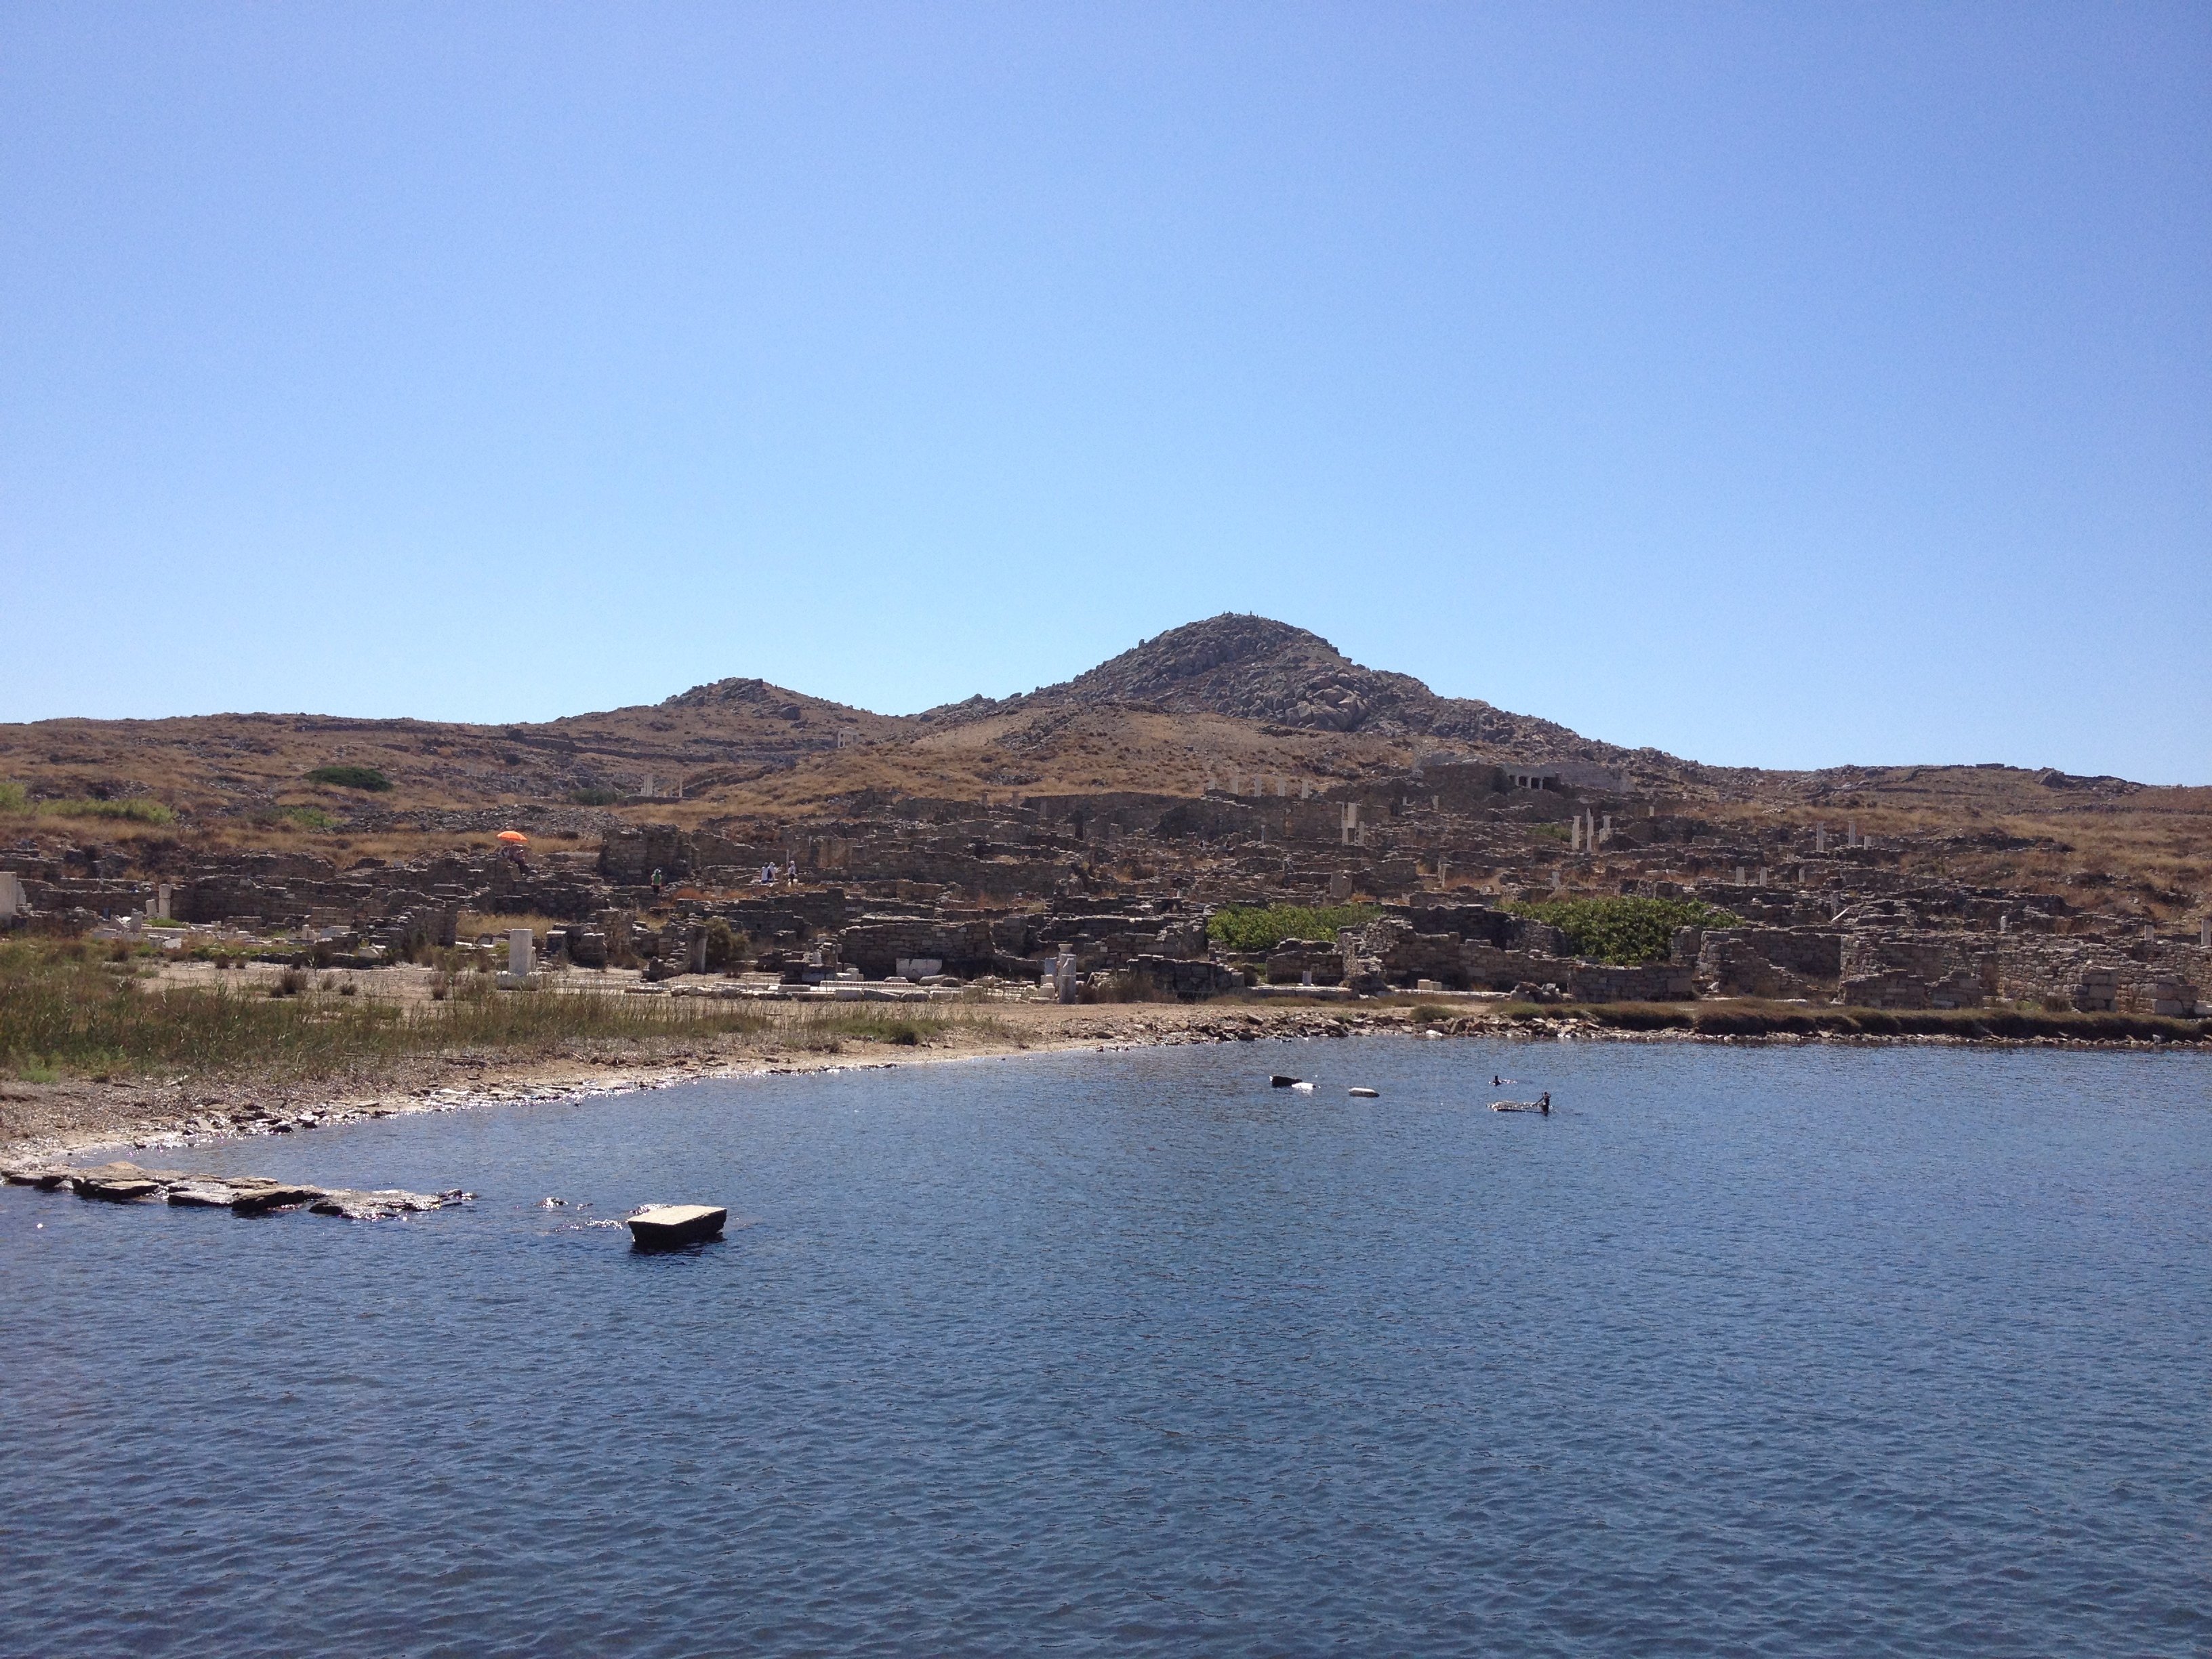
597 797
14 798
726 948
307 817
350 777
1623 931
1264 929
137 810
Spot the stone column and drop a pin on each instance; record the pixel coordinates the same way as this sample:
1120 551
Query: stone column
521 950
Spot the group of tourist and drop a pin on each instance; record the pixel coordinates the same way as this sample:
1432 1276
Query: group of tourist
768 876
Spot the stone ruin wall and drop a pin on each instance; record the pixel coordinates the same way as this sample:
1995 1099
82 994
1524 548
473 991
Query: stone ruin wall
937 880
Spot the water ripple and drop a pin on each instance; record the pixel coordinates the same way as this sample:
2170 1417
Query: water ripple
1742 1352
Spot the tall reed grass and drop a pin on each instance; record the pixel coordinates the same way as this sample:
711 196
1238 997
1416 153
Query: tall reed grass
64 1010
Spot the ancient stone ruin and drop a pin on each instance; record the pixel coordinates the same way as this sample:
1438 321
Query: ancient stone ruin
914 896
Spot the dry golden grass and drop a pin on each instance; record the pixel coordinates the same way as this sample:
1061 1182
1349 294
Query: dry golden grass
2152 847
2150 850
474 924
67 1010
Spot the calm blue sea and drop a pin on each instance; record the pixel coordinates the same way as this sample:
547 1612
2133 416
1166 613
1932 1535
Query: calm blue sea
1743 1351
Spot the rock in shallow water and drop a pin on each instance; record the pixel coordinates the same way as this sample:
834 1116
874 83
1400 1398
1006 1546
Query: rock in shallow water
42 1176
260 1198
121 1184
120 1189
373 1206
204 1194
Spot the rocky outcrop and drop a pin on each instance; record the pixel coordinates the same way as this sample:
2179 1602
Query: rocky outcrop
1257 668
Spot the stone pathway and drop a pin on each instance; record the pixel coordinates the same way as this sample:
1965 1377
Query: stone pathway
127 1184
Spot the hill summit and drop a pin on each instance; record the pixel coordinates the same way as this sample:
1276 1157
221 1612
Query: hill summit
1253 668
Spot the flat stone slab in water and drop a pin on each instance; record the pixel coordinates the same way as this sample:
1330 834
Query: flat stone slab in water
123 1183
203 1194
677 1224
260 1199
42 1176
373 1206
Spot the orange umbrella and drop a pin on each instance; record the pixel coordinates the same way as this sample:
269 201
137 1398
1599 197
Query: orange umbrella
515 837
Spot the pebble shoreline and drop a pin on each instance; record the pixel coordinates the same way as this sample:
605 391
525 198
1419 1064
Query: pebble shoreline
217 1121
44 1169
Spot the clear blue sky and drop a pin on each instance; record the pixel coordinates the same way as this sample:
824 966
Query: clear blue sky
1782 385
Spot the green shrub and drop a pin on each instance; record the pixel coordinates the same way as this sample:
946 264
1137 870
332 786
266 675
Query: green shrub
1623 931
137 810
597 797
350 777
1252 929
726 948
307 817
14 797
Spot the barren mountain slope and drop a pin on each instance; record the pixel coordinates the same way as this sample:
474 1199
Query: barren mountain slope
1277 676
1224 699
222 763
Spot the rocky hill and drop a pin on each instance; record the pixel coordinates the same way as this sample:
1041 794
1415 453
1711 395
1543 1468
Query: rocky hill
1253 668
1216 704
